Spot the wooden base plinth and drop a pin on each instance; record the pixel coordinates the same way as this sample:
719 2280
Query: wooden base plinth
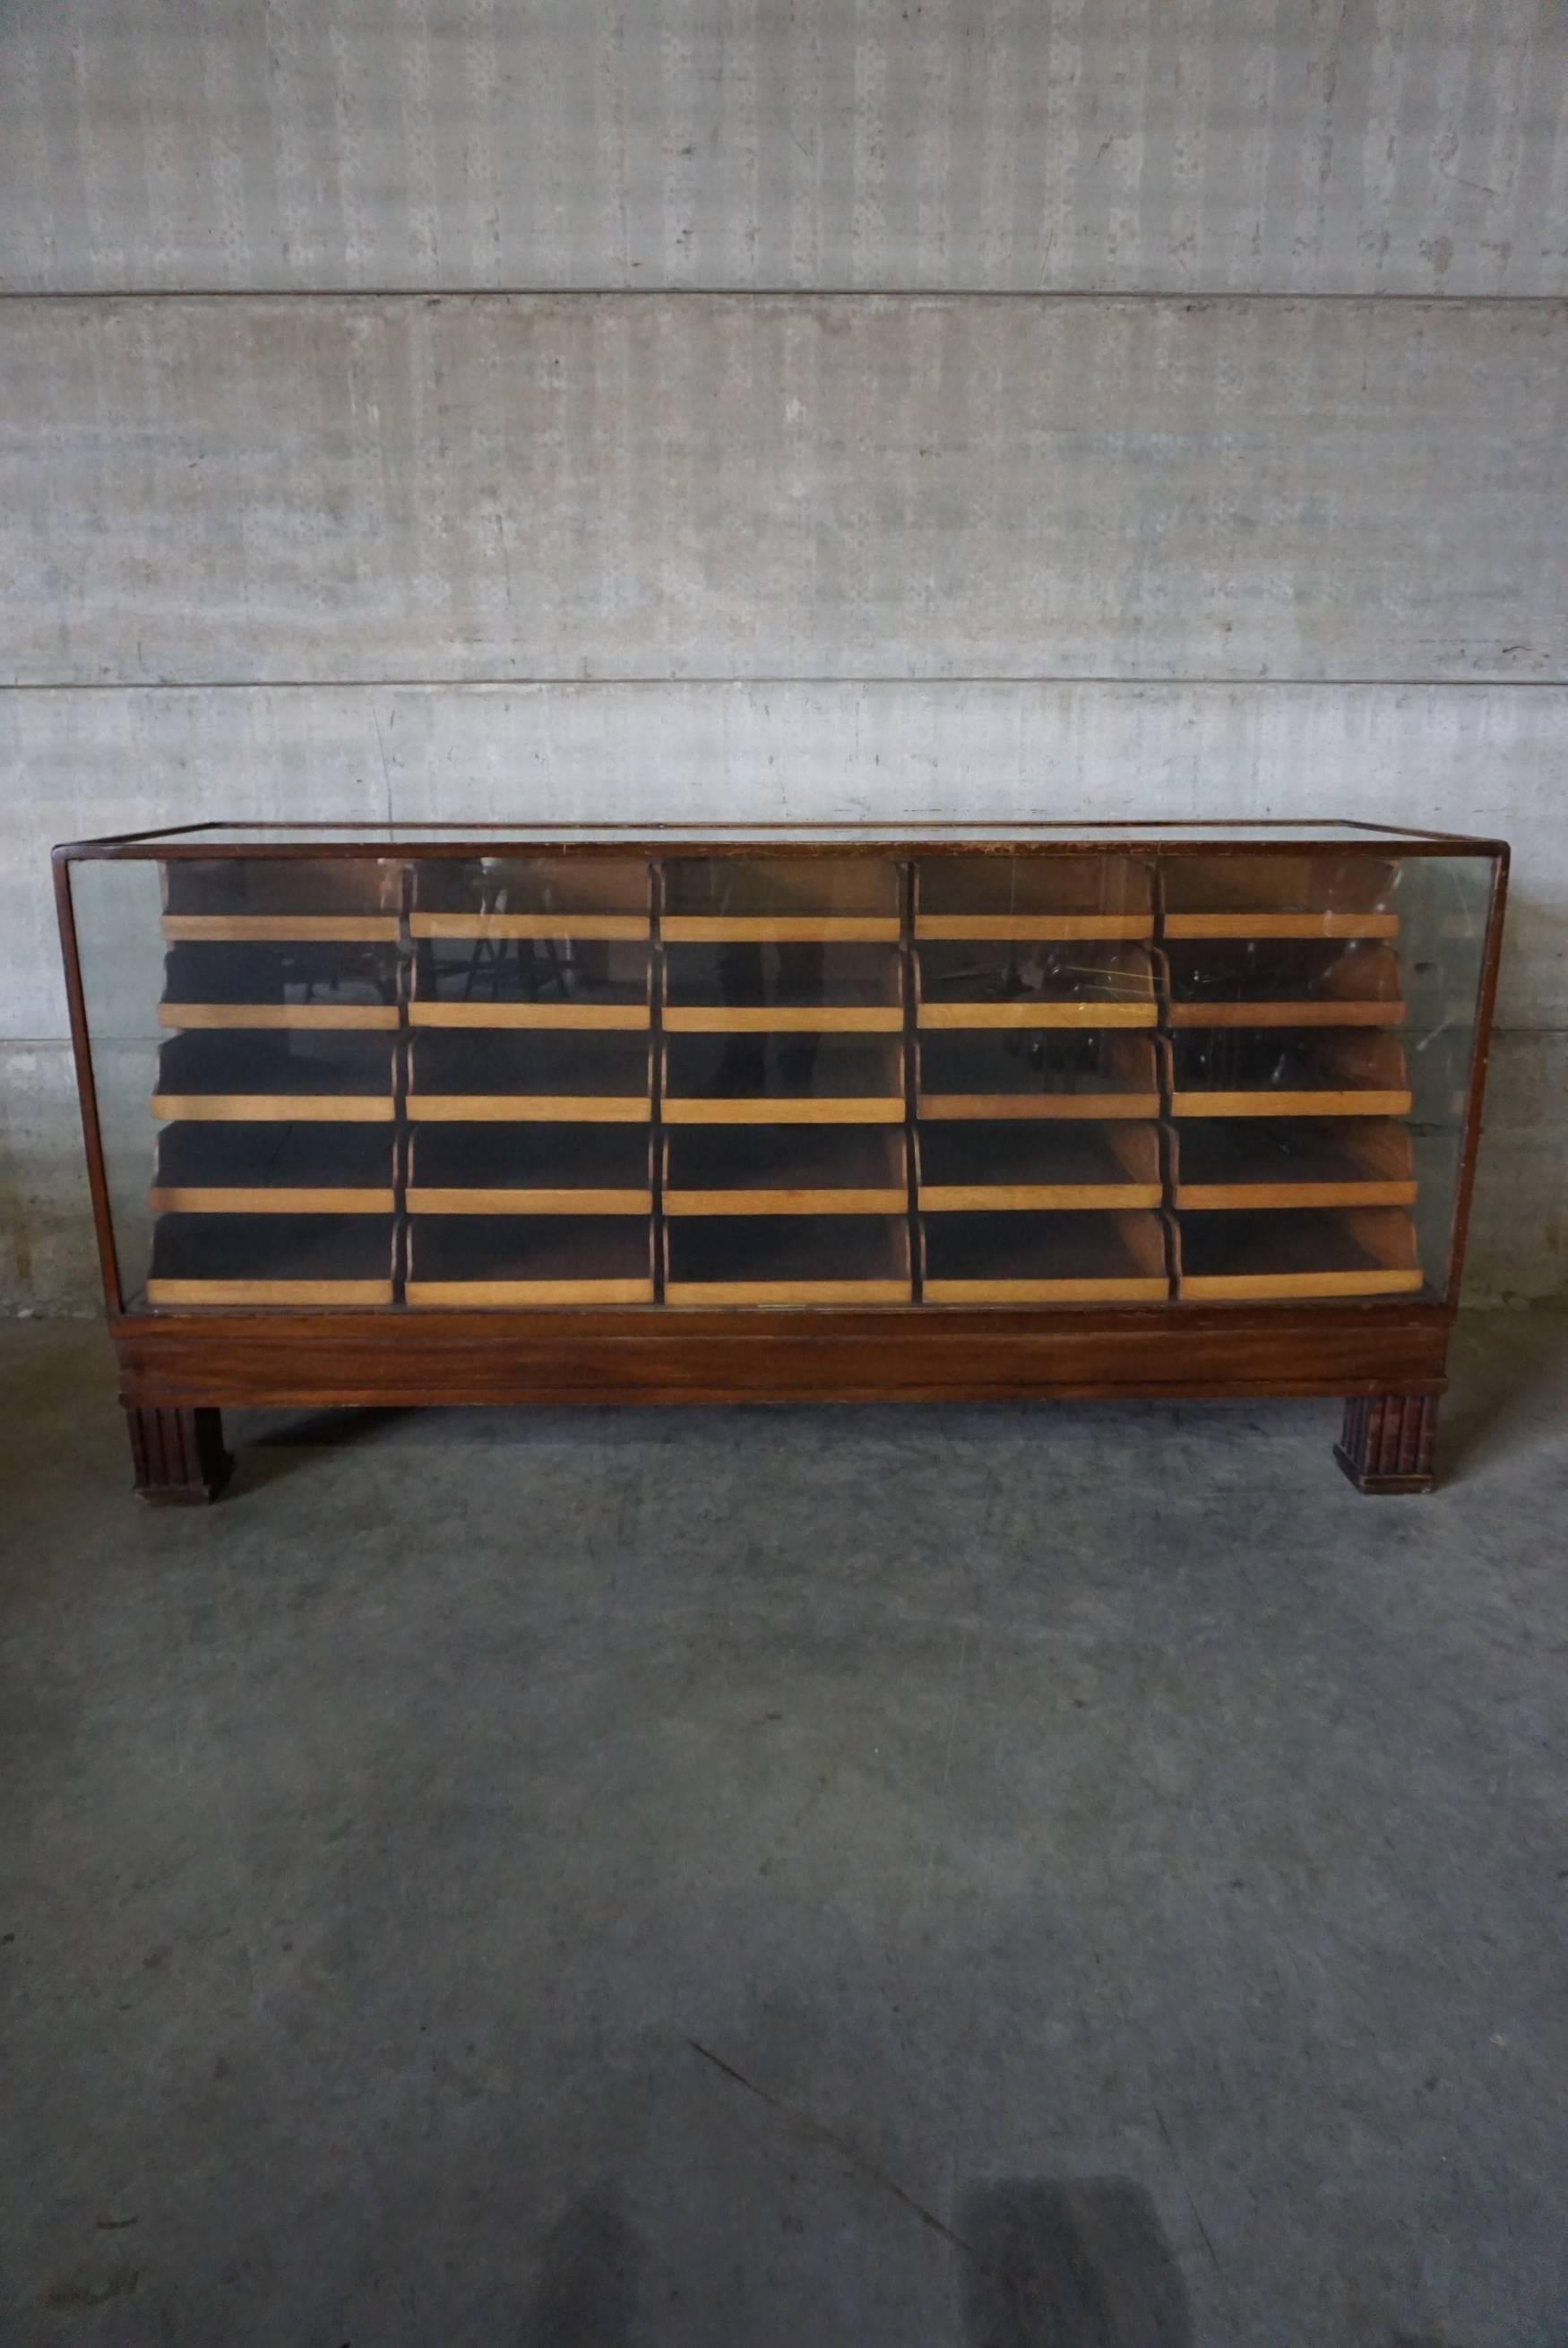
178 1455
1387 1441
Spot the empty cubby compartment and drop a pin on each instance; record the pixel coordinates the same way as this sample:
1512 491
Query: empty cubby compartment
554 1074
786 1259
1067 1257
997 982
1284 981
993 1167
751 1170
1037 1072
1227 1162
268 1168
464 1261
1062 897
530 1168
1297 1253
1287 1072
272 1259
796 1079
1313 895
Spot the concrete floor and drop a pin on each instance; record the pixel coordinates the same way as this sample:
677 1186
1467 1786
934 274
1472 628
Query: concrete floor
1025 1879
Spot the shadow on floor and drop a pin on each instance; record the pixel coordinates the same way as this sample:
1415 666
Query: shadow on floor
589 2280
1070 2262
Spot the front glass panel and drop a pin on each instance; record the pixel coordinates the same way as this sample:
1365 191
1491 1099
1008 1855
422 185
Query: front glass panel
1100 1077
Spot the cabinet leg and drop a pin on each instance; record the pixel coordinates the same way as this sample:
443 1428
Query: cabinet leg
179 1455
1387 1441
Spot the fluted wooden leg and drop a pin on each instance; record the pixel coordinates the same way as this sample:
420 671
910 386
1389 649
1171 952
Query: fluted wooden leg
1387 1441
179 1455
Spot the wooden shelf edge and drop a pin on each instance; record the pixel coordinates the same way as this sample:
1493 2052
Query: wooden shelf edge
619 1017
192 1018
1037 1015
847 1110
280 929
592 926
1206 1197
248 1292
273 1108
256 1198
1261 1288
423 1294
769 1019
1015 1198
787 1292
1313 1012
528 1108
1281 925
937 1108
1288 1104
1083 928
818 1201
1136 1289
562 1201
702 929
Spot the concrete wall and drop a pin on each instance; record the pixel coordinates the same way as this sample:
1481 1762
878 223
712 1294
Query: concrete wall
1034 496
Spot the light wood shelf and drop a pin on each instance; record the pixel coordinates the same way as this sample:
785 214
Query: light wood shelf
192 1015
592 927
280 929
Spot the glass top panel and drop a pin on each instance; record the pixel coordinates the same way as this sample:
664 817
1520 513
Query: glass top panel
1065 833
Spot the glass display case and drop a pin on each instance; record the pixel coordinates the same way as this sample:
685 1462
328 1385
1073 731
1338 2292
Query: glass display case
960 1111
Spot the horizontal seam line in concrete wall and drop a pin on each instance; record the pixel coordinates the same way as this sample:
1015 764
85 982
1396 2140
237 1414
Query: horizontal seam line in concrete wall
746 292
743 683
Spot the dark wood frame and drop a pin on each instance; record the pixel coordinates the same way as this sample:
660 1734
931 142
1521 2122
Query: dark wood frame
178 1370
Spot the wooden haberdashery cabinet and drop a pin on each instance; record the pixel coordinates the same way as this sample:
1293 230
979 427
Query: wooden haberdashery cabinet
440 1115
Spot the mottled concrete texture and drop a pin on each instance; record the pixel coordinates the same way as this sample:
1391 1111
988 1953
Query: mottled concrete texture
1023 1878
1355 146
273 491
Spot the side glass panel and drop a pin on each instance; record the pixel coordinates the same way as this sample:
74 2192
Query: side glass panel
1321 1014
244 1016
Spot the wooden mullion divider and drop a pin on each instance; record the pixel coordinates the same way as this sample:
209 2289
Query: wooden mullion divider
911 1076
402 1124
656 1072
